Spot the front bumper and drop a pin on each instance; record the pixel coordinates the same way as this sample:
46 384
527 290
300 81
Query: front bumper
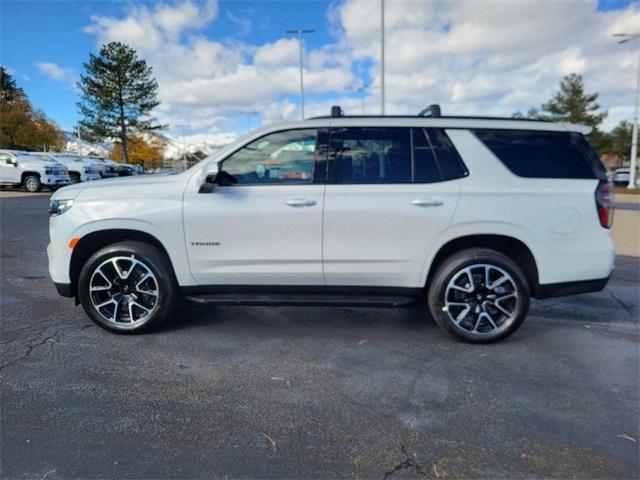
64 289
89 177
55 180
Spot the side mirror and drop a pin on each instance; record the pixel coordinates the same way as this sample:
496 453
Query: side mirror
211 179
13 162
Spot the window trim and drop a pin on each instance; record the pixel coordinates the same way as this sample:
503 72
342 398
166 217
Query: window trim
319 173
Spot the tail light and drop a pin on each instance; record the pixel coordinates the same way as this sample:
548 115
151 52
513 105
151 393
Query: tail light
604 204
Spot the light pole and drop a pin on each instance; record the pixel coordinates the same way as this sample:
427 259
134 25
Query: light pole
382 56
299 32
633 161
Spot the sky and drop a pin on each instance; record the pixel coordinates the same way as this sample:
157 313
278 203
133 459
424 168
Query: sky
227 66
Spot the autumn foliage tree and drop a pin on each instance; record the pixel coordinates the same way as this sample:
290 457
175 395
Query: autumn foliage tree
143 149
21 126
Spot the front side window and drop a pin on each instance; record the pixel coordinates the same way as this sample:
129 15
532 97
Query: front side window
279 158
6 160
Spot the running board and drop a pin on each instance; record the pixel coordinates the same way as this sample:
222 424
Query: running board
384 301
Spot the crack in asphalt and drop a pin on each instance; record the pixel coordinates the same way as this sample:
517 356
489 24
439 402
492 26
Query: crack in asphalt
624 305
30 349
408 463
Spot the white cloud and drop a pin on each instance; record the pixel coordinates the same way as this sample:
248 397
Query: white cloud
491 57
472 57
57 73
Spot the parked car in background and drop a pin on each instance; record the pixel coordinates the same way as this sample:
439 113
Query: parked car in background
163 171
621 176
109 168
472 216
31 171
79 169
128 169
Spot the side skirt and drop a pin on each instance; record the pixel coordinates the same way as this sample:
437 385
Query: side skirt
280 295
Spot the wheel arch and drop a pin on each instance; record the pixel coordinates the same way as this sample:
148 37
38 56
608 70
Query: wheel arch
510 246
94 241
28 173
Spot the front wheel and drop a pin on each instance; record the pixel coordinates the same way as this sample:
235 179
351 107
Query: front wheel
32 184
127 287
479 295
74 178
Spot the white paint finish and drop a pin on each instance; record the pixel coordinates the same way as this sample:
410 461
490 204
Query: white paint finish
376 235
373 234
26 162
267 235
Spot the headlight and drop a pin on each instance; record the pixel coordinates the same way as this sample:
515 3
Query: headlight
48 171
58 207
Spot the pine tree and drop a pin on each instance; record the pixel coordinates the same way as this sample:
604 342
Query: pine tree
573 105
118 94
8 87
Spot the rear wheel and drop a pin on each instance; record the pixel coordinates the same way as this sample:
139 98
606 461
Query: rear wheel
32 183
479 295
127 287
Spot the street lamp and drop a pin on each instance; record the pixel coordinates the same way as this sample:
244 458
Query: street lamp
633 161
299 32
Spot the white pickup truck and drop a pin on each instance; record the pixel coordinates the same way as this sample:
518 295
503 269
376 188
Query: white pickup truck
30 171
80 170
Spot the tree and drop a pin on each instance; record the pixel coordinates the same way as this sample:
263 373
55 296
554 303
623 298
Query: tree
571 104
118 93
621 139
144 149
22 127
8 87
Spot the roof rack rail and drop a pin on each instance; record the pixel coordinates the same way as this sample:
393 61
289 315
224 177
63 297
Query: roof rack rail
432 110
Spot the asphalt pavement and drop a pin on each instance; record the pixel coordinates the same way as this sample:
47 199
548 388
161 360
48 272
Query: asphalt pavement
307 392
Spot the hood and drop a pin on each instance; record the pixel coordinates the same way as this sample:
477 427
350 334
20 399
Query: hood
38 164
111 185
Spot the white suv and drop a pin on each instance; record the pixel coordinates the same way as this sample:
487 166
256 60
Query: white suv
31 171
473 215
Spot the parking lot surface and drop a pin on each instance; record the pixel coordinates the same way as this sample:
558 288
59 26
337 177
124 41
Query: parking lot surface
292 392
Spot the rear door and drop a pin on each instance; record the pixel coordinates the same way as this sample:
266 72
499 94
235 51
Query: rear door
391 192
264 226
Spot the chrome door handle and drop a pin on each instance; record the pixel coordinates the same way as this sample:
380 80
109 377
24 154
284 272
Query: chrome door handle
427 203
300 202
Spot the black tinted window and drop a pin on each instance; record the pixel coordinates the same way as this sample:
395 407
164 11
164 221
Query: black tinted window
373 155
424 157
541 154
448 159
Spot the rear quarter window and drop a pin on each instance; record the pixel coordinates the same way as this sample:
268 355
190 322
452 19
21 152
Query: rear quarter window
534 154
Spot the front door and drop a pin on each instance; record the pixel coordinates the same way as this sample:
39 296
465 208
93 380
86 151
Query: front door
391 192
263 224
9 173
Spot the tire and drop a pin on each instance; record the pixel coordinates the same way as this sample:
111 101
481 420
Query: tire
134 260
74 178
494 309
32 183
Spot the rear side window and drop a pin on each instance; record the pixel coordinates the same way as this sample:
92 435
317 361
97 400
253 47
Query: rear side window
393 155
543 154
